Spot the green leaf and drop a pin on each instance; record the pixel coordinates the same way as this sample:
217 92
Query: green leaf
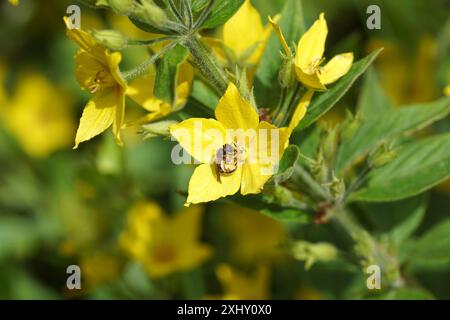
167 73
388 126
397 220
198 5
434 246
17 236
148 27
419 166
321 104
292 24
221 12
259 203
372 102
406 294
287 164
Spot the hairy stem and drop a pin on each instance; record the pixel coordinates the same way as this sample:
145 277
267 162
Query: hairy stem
207 64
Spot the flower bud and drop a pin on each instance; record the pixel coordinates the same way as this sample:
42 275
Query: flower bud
312 252
151 13
382 156
286 77
337 187
113 39
156 129
350 125
124 7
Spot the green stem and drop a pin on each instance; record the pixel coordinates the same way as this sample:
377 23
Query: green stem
207 64
368 250
132 42
142 69
313 186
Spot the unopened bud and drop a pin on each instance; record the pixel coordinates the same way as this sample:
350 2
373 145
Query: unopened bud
382 156
329 142
156 129
350 125
151 13
312 252
337 187
286 77
113 39
124 7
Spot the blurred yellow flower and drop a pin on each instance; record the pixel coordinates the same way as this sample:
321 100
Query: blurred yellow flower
141 91
39 116
234 115
98 72
99 268
447 90
14 2
241 286
255 237
242 39
164 244
407 77
309 56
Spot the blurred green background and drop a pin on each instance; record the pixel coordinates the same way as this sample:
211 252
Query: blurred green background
60 207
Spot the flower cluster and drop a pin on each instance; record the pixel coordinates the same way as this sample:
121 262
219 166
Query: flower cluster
242 147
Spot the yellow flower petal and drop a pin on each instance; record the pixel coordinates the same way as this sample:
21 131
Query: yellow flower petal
88 67
141 91
243 30
336 68
113 61
280 35
233 112
447 90
98 115
253 179
256 172
119 116
85 41
312 46
205 185
309 80
201 138
301 109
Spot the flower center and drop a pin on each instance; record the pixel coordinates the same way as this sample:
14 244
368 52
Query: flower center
164 253
313 65
98 82
228 158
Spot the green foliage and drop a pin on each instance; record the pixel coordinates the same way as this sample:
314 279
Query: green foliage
287 164
434 246
418 167
389 125
221 12
167 74
266 85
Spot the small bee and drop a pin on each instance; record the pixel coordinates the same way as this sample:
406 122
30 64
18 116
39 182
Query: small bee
227 159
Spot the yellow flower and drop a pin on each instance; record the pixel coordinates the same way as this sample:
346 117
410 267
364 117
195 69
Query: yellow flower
247 147
242 39
254 237
98 72
39 116
447 90
141 91
14 2
309 56
99 268
240 286
164 244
